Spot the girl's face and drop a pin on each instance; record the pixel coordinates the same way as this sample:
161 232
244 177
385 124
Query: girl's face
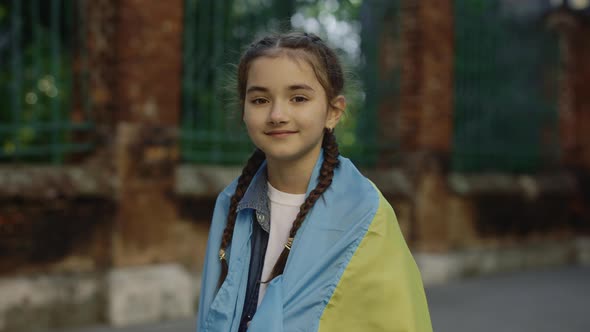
286 110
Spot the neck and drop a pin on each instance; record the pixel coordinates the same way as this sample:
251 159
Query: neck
291 176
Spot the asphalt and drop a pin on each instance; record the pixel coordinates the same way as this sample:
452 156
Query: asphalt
553 300
542 300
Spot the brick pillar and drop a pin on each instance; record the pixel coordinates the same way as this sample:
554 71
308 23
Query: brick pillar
100 20
427 77
149 54
572 72
149 57
579 75
101 28
411 72
574 100
436 113
136 54
574 107
415 41
426 115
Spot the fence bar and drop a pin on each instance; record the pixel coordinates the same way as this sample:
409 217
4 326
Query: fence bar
43 150
41 127
83 71
218 38
16 69
55 74
188 72
37 64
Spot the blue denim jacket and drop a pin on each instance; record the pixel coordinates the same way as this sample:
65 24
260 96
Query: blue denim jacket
255 198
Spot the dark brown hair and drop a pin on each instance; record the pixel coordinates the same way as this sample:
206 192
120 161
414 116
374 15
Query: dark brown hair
328 70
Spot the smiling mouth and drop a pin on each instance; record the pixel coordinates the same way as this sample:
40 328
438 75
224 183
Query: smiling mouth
280 133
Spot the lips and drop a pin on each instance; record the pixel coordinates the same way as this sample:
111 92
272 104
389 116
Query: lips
280 133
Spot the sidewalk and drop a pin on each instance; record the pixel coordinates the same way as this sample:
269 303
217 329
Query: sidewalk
540 301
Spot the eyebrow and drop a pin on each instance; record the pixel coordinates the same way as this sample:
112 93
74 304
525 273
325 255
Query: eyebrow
300 87
291 88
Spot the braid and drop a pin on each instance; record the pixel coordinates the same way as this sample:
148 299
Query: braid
324 181
243 182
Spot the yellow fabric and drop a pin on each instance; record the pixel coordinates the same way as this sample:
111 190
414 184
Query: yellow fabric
381 288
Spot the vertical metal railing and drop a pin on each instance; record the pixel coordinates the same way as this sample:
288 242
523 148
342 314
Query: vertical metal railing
41 42
54 27
505 87
381 21
16 68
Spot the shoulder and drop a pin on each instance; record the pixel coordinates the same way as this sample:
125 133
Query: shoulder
222 204
225 195
366 194
351 197
349 181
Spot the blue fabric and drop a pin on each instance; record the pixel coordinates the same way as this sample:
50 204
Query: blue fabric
320 252
258 245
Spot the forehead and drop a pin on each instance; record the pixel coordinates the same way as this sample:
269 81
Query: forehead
281 71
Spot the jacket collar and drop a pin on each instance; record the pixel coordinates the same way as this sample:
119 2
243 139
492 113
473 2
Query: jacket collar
256 196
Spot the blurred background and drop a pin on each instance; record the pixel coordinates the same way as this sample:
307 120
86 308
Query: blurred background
118 127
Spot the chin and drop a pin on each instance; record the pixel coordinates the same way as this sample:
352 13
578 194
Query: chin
281 155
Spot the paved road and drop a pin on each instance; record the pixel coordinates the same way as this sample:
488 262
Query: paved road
539 301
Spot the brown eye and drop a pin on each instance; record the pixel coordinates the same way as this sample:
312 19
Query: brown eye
299 99
258 101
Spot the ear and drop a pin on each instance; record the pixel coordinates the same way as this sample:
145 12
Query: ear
335 111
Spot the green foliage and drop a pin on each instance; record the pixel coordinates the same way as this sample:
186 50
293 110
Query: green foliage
34 97
2 13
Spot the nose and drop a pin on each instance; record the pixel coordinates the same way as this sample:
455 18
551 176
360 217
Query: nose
278 114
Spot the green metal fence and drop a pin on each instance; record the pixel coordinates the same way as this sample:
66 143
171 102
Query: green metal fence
215 34
505 87
43 86
374 144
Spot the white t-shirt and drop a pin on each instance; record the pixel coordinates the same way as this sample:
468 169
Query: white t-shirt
283 211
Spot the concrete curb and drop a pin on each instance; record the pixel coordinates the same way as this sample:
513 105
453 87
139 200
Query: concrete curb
441 268
148 294
28 303
119 297
583 250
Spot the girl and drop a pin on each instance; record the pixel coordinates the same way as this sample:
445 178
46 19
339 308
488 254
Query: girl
301 241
